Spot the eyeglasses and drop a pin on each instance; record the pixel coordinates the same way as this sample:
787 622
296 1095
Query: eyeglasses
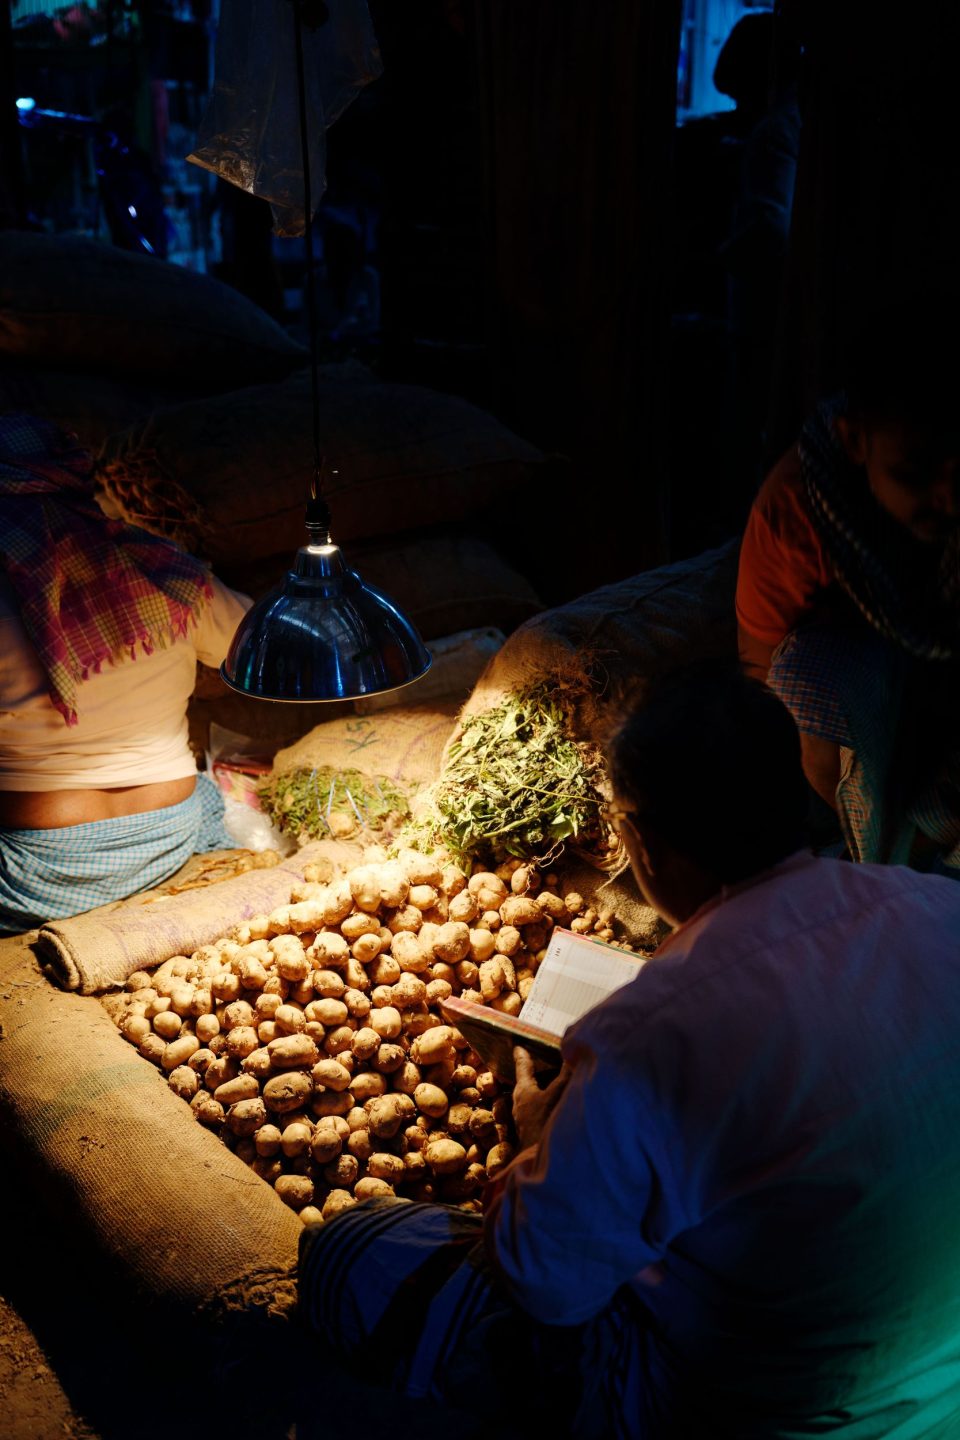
615 815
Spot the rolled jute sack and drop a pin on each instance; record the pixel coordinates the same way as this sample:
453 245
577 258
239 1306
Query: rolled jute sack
124 1165
99 950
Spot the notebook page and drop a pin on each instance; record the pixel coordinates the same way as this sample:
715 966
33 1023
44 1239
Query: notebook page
575 974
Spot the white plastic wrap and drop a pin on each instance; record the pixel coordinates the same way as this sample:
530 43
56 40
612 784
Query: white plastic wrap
250 131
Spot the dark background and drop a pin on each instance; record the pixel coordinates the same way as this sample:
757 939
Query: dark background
533 207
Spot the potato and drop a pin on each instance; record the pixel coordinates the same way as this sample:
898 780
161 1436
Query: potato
202 1003
167 1024
436 991
136 1028
414 1165
408 951
498 1158
365 1042
364 882
385 970
355 975
267 1031
339 1039
445 1157
367 947
394 885
289 1019
424 897
184 1082
296 1138
367 1085
430 1100
241 1087
288 1091
267 1140
328 985
330 1074
325 1143
453 942
294 1190
483 944
458 1118
181 998
223 1068
336 1201
360 1144
333 1103
384 1166
206 1027
289 1052
384 1116
389 1058
178 1052
359 924
246 1116
329 1012
406 919
239 1012
463 907
519 910
386 1022
329 951
483 1125
310 1215
550 904
420 869
507 940
433 1046
491 979
209 1112
342 1172
508 1003
291 959
406 1078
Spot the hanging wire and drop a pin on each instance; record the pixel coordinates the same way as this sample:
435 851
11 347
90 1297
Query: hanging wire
318 512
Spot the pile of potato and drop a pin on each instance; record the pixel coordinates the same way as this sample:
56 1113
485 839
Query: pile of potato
311 1042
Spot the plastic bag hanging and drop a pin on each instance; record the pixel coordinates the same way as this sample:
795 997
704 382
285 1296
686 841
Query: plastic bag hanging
250 131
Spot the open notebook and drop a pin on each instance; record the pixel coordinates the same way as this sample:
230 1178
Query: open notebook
576 973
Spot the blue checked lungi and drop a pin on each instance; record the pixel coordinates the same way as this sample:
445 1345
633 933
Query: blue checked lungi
49 874
409 1283
850 686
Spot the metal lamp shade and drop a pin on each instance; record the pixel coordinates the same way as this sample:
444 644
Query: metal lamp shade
323 634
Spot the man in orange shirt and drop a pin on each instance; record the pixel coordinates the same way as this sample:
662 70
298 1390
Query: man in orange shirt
848 595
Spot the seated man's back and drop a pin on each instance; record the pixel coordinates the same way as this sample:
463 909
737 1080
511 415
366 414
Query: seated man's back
770 1120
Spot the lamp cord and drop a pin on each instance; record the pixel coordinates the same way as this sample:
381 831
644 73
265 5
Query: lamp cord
318 511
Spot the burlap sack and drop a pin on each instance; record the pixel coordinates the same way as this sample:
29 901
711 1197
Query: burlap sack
125 1164
73 303
614 639
405 745
98 950
229 475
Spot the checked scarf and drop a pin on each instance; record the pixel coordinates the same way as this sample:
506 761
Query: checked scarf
89 589
908 592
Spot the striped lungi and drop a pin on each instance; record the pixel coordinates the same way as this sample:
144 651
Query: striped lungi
409 1284
49 874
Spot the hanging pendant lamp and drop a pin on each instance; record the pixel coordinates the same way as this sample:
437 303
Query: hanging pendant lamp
322 634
